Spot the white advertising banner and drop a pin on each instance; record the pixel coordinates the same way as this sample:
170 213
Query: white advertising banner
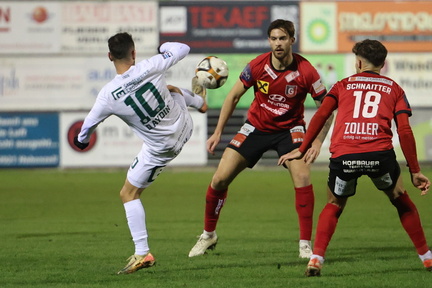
413 72
87 25
31 27
52 83
115 145
68 83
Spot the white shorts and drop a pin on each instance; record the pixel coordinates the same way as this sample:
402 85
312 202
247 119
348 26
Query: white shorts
148 164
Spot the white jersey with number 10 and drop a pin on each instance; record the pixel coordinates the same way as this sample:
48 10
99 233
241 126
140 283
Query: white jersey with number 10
141 99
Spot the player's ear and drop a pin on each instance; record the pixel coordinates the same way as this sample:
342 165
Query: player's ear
133 54
293 39
109 56
358 63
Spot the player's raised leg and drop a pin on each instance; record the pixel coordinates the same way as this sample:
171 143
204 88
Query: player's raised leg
200 91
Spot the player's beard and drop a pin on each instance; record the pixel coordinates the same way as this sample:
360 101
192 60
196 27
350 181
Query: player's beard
280 54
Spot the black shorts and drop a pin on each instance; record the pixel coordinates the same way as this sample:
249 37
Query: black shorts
252 144
380 166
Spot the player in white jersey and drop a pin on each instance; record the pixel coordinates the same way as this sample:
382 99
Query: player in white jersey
156 112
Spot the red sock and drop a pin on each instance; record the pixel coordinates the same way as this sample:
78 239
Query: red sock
214 202
304 199
327 222
410 220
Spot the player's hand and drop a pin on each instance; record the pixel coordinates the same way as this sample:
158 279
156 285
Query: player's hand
421 182
295 154
80 145
313 152
212 142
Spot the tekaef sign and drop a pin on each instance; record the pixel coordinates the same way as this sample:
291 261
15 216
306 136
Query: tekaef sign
223 26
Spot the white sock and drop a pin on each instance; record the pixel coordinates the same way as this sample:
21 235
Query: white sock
192 100
320 258
426 256
208 234
135 216
304 242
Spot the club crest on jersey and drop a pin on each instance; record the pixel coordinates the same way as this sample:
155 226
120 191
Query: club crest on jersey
263 86
290 90
119 92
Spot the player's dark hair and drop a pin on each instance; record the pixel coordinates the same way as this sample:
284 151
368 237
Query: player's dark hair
120 45
285 25
372 50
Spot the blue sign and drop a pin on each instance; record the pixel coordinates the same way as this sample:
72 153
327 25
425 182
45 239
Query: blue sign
29 140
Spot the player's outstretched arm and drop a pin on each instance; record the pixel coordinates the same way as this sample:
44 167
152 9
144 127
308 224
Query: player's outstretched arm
227 109
408 145
317 143
421 182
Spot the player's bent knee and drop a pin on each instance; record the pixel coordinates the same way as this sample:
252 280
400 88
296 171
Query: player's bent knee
219 183
129 192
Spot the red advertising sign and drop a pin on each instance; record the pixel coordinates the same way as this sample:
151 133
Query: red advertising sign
223 26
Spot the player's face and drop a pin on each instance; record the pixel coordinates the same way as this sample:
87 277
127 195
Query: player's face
280 43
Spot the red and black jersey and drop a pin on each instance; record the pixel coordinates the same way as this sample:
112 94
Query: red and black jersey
367 103
279 95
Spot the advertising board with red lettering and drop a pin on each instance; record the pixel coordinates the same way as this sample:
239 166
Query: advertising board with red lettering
29 27
223 26
87 25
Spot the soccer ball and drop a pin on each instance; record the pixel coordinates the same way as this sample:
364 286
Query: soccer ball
212 72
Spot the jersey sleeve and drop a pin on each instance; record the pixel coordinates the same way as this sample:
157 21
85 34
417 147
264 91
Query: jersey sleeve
407 142
246 76
402 105
99 112
317 88
171 54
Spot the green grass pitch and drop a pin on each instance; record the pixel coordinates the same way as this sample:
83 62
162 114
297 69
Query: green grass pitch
66 228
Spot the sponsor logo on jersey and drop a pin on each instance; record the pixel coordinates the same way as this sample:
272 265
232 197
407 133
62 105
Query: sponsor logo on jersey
270 72
246 74
318 86
361 128
290 91
119 92
277 98
291 76
370 79
263 86
167 55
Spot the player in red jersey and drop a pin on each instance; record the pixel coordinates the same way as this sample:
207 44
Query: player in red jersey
281 81
361 144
